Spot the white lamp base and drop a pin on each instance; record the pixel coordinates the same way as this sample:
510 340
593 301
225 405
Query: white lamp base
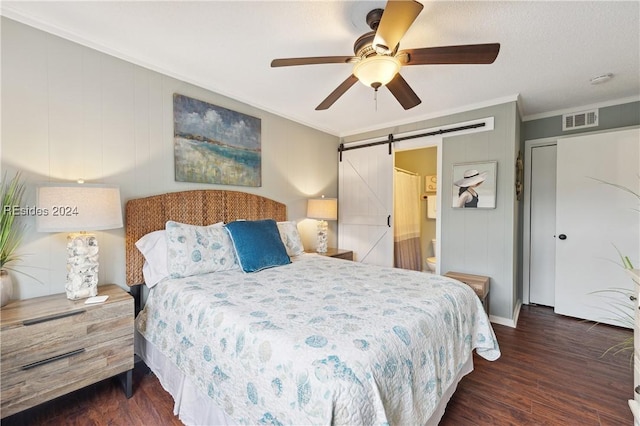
82 266
323 230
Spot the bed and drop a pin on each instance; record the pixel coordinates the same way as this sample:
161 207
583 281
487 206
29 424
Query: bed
313 340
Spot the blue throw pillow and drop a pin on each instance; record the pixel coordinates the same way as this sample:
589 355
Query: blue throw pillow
258 244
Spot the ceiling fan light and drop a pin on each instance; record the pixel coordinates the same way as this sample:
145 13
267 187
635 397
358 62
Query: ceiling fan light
381 49
376 69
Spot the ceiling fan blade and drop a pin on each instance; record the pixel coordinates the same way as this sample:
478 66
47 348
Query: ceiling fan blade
400 89
340 90
288 62
396 19
465 54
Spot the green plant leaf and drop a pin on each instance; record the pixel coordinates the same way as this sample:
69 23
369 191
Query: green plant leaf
12 192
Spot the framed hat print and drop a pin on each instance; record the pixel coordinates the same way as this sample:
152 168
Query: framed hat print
474 185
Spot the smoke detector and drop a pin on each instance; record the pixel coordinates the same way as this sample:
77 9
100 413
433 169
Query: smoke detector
601 78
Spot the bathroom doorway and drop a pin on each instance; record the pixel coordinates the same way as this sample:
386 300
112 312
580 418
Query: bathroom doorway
424 162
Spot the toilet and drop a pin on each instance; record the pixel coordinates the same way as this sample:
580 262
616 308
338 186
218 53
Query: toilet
431 261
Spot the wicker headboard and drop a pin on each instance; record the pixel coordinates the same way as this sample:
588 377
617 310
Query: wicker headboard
197 207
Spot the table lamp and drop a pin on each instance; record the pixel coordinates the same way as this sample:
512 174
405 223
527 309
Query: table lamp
322 209
78 208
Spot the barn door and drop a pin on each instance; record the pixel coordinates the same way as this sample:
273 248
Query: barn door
365 204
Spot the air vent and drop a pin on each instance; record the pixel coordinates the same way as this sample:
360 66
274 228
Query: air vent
580 120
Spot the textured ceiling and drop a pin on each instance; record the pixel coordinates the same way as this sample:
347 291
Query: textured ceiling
549 52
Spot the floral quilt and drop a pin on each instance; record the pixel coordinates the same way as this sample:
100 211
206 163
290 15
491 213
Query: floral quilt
320 340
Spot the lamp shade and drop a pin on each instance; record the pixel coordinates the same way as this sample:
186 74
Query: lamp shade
322 208
376 69
78 207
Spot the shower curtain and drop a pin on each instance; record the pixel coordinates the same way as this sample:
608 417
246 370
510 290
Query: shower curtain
406 222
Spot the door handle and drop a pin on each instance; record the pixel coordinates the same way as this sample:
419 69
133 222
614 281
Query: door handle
562 237
389 221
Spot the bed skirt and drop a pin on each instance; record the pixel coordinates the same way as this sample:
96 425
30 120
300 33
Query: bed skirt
192 407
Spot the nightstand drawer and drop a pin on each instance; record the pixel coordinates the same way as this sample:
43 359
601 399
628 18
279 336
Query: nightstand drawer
43 338
30 385
52 346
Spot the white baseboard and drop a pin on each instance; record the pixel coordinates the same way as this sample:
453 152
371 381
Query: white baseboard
508 321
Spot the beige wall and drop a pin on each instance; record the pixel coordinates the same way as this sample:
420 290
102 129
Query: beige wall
71 112
423 161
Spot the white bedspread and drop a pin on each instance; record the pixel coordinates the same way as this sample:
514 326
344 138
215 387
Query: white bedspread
320 340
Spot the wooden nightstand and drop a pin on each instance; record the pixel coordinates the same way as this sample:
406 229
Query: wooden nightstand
479 284
335 252
52 346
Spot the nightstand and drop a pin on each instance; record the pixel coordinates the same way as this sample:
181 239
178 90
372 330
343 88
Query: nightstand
479 284
52 346
335 252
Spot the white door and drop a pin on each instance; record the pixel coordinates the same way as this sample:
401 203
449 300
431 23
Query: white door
365 204
593 219
542 255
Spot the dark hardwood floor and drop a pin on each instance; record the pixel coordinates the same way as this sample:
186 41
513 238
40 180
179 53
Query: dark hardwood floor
552 372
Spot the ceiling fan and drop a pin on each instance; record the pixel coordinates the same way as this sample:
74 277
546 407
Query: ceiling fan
377 60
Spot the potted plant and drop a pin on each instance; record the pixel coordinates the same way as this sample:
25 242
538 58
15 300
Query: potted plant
11 233
624 313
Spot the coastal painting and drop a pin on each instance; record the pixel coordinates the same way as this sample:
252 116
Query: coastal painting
215 145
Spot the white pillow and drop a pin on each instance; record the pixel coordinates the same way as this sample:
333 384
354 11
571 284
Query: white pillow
291 238
194 250
153 247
